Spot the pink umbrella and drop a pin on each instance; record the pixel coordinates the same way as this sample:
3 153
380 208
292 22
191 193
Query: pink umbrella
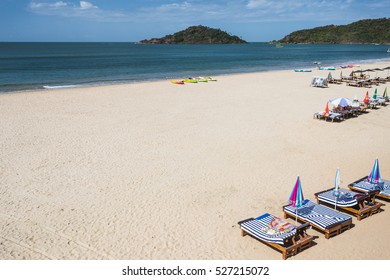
296 197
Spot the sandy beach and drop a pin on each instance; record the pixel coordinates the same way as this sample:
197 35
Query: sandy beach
161 171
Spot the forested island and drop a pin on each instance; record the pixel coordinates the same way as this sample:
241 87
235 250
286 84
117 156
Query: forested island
197 35
367 31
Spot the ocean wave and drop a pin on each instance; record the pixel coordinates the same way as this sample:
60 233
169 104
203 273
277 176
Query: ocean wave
59 87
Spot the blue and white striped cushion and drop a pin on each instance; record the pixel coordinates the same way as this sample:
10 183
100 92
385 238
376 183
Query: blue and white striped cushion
319 215
346 198
256 228
366 186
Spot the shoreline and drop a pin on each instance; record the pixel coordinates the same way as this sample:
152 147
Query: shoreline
151 170
152 80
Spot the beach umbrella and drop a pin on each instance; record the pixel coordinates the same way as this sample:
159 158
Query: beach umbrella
385 93
375 93
336 191
369 70
355 102
366 98
341 101
359 71
377 69
330 76
375 176
326 113
296 197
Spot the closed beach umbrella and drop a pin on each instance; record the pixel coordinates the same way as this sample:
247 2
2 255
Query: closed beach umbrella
375 176
326 113
366 98
375 94
336 191
296 197
385 93
341 101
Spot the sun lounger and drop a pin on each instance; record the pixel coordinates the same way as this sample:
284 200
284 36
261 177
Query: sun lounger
278 234
322 218
331 116
362 185
380 101
362 205
353 83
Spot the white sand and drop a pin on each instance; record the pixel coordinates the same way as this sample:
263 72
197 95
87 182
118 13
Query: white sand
163 171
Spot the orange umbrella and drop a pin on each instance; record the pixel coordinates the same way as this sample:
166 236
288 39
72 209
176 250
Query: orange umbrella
326 113
367 98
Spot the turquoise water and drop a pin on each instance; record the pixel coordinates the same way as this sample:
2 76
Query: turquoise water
29 66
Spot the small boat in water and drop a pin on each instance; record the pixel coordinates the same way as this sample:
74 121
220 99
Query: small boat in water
388 50
279 46
327 68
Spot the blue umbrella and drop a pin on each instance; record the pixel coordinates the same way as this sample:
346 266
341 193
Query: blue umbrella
375 175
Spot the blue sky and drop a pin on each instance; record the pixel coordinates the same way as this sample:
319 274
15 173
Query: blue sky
134 20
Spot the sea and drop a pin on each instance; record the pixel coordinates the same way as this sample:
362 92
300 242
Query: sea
37 66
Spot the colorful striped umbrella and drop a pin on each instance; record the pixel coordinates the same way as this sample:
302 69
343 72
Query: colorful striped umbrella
296 197
375 176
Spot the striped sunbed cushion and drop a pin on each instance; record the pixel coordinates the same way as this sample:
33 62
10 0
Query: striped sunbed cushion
366 186
319 215
258 227
347 198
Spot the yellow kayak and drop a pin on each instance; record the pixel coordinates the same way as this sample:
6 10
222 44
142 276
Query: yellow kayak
190 80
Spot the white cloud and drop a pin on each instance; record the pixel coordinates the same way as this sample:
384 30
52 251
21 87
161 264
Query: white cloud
59 4
253 4
84 5
184 5
81 9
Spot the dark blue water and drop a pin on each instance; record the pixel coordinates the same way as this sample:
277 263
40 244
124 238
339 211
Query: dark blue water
29 66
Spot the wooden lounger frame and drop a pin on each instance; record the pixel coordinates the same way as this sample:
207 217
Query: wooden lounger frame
366 204
292 245
379 195
336 229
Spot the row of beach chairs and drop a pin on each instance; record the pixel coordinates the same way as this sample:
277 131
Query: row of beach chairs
357 80
359 200
357 108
